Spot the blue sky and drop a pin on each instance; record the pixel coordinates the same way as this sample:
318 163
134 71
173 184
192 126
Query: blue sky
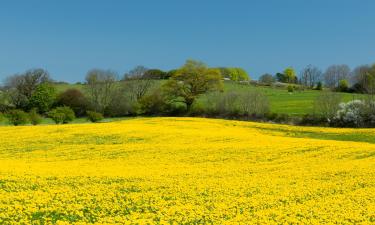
70 37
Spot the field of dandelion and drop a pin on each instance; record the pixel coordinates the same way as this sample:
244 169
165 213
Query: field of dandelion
186 171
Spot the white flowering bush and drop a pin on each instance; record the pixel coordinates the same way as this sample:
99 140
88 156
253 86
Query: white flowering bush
351 114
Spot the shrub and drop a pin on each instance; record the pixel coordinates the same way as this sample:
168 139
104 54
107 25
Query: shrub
62 115
34 116
154 103
74 99
233 104
290 88
94 116
17 117
327 104
343 86
350 114
319 86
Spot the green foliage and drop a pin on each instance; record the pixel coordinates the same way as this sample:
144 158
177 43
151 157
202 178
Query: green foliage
343 86
290 75
319 86
43 97
74 99
234 73
155 74
34 117
266 79
290 88
192 80
94 116
62 115
17 117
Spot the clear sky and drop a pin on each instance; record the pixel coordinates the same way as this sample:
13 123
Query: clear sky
70 37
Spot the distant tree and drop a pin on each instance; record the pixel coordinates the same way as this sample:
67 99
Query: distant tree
334 74
101 86
280 77
319 86
267 79
138 82
234 73
310 76
43 97
74 99
192 80
62 115
343 86
155 74
21 86
290 75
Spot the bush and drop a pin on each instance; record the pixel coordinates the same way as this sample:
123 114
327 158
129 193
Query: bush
35 118
94 116
74 99
17 117
62 115
232 104
154 104
290 88
351 114
343 86
327 104
313 119
319 86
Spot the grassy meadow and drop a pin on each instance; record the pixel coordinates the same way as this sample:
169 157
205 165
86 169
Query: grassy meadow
186 171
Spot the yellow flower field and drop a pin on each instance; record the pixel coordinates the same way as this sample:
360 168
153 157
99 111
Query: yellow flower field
184 171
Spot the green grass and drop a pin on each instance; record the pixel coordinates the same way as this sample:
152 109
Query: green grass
296 103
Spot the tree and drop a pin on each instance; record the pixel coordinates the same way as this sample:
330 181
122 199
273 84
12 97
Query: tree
364 77
280 77
138 82
192 80
43 97
234 73
310 76
155 74
21 86
62 115
334 74
74 99
101 86
267 79
343 86
290 75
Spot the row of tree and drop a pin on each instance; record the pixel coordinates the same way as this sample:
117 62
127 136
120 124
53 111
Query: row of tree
139 91
336 77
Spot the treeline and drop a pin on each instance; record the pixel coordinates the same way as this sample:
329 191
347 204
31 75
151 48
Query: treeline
191 90
336 78
30 96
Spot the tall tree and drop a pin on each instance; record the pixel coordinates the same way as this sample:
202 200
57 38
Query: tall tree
310 76
101 86
192 80
138 82
334 74
290 75
22 86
